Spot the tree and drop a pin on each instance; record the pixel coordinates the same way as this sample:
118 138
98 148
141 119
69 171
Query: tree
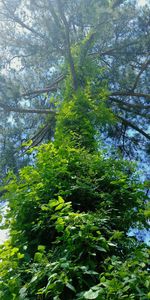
71 210
74 244
38 36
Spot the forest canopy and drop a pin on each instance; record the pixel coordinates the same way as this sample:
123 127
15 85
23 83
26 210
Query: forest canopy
74 102
42 44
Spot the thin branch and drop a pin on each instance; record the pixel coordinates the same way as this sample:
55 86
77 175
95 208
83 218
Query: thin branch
136 113
54 15
51 88
37 138
130 105
112 50
9 60
117 3
135 127
41 91
39 133
15 18
8 108
143 68
130 93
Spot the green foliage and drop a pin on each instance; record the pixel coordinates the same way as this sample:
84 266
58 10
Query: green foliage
83 261
70 211
84 112
10 271
88 180
68 217
123 280
81 117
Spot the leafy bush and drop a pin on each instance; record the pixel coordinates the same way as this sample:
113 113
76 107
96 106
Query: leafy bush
68 217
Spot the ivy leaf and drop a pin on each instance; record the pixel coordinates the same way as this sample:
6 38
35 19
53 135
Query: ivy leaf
91 294
101 249
23 293
41 248
71 287
38 257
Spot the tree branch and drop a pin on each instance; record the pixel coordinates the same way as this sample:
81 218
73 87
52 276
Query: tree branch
37 139
11 15
130 105
8 108
136 113
112 50
135 127
51 88
143 68
130 93
39 133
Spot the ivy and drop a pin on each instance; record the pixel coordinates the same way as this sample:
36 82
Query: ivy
69 212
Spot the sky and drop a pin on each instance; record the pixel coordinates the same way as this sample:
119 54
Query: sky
143 2
3 236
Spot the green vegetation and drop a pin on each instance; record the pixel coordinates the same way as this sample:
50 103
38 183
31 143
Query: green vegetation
69 215
70 210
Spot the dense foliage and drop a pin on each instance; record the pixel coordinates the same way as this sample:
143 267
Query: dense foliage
70 210
69 214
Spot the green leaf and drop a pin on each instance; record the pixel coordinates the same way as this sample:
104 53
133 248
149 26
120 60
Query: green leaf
60 206
38 257
41 248
60 199
34 278
101 249
71 287
20 255
91 294
23 293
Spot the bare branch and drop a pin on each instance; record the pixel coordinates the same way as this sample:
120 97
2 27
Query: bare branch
39 133
130 93
143 68
38 138
135 127
8 108
130 105
38 92
112 51
136 113
11 15
51 88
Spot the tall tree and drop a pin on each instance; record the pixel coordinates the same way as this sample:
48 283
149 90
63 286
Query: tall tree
70 212
38 36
